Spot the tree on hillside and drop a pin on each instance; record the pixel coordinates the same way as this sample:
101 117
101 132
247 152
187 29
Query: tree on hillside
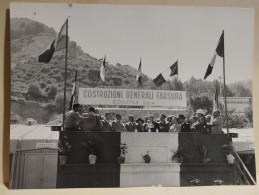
176 84
52 92
201 102
34 91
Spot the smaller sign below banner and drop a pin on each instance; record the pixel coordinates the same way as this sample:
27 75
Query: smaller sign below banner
46 145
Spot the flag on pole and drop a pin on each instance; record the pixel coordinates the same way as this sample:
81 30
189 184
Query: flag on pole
73 96
139 77
159 80
102 70
219 51
210 67
57 44
174 69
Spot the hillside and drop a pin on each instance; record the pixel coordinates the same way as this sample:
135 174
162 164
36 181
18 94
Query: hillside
46 81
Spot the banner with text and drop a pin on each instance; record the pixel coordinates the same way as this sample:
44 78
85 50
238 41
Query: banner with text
131 97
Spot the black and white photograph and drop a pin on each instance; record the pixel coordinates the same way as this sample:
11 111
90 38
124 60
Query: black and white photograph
118 96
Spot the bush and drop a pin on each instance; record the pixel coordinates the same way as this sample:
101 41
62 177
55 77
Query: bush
34 91
237 121
52 92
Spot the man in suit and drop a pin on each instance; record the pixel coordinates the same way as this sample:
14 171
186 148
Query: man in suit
164 126
131 125
185 127
106 122
152 125
117 125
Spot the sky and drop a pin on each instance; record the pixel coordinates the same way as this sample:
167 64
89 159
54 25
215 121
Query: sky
160 35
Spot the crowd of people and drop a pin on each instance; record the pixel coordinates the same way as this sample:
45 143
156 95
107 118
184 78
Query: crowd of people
93 121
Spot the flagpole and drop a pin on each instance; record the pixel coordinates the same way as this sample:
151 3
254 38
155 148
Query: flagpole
226 111
65 77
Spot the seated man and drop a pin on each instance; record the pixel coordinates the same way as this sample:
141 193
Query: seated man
117 125
90 121
216 123
106 126
72 118
131 125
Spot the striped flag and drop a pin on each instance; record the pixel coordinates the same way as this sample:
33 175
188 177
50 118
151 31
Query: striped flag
73 96
57 44
220 52
102 70
174 69
139 77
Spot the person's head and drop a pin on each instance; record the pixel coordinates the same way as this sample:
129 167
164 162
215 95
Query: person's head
216 113
96 111
131 118
193 119
146 119
199 113
76 107
151 117
208 118
162 117
174 120
169 119
91 109
107 116
118 116
139 121
181 118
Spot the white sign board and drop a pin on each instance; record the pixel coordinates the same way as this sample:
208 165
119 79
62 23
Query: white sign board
46 145
131 97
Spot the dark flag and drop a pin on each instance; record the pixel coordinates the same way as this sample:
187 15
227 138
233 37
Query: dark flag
159 80
102 70
73 96
220 46
57 44
139 77
174 69
219 51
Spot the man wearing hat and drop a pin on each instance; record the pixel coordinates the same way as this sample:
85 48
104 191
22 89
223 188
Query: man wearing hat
201 124
185 127
72 118
140 125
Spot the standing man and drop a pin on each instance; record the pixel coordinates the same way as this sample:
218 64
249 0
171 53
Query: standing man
153 126
117 125
164 126
72 118
106 122
90 121
131 125
216 123
185 127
